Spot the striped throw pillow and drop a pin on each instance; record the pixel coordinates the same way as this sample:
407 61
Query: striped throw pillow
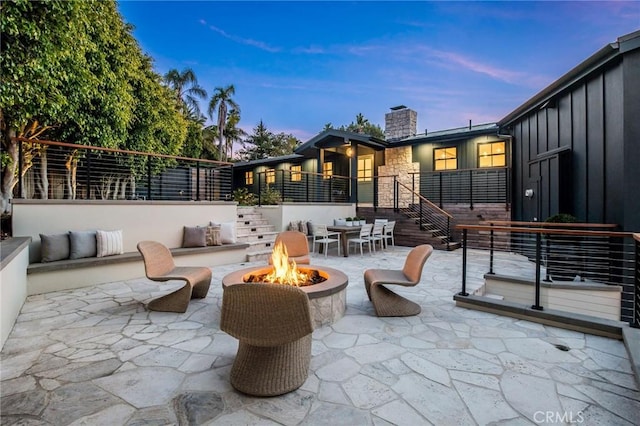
109 243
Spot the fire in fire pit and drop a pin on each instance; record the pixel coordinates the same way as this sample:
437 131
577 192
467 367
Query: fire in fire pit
285 271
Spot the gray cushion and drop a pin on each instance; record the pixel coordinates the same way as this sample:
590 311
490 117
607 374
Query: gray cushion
82 244
54 247
194 236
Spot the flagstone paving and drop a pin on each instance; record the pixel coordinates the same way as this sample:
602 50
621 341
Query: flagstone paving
96 356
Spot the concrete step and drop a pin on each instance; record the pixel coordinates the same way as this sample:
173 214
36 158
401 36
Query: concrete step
260 245
246 210
252 229
249 216
252 222
254 236
258 255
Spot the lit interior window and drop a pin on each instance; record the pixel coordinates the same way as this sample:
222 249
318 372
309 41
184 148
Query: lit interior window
446 158
296 173
271 176
248 178
327 170
492 154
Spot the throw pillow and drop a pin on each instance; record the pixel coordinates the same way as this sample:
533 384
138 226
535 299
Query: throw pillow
213 235
228 233
82 244
303 227
310 228
294 225
54 247
109 243
194 236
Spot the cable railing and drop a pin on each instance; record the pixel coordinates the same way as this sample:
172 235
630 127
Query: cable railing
468 186
429 217
59 170
557 262
275 186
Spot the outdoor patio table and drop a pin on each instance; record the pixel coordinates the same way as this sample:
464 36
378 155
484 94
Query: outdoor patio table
344 230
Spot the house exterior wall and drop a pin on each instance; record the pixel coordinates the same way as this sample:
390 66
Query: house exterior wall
398 162
580 153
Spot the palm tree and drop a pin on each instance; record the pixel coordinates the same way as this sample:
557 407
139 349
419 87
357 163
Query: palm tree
187 90
232 132
221 100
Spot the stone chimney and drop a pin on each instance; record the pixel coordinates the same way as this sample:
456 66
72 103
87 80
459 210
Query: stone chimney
400 123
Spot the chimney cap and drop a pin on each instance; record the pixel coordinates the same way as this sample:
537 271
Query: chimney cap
395 108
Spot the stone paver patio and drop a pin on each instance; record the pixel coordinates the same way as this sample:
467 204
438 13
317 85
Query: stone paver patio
96 356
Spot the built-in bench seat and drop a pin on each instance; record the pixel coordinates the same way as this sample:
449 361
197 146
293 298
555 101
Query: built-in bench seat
87 262
76 273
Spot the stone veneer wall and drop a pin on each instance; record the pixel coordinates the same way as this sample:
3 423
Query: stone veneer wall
398 161
400 124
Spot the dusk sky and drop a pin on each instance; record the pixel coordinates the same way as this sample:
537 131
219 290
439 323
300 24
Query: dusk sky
300 65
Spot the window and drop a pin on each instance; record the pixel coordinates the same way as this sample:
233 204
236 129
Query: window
445 158
248 178
296 173
365 168
492 154
271 176
327 170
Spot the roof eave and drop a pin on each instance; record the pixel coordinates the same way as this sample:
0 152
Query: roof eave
586 67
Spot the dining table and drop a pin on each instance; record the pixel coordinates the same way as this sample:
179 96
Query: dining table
344 230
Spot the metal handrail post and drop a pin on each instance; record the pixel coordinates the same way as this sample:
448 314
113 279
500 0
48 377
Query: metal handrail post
471 189
88 177
448 232
635 323
396 203
20 161
537 306
464 264
197 181
282 186
491 251
259 189
440 189
148 177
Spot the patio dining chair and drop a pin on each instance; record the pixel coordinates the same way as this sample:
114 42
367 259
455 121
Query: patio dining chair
387 233
273 325
387 303
376 235
297 246
363 238
159 266
321 235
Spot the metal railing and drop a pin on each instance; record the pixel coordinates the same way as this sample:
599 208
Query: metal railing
558 255
302 187
58 170
469 186
428 216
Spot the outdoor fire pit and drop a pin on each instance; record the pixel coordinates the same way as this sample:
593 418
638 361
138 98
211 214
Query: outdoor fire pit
325 287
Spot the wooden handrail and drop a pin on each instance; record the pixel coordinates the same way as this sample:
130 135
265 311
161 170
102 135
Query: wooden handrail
551 224
636 237
544 231
119 151
435 172
427 201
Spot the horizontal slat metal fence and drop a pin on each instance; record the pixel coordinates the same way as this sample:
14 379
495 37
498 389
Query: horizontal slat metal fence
298 186
56 170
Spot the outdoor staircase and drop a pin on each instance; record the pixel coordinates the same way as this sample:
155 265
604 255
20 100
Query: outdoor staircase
407 232
252 228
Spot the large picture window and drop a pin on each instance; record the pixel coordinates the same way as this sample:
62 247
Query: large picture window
327 170
445 158
271 176
248 178
365 168
492 154
296 173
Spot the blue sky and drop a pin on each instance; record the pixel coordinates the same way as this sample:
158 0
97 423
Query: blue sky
299 65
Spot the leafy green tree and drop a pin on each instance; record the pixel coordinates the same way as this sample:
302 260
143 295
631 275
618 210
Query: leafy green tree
262 143
361 125
186 88
221 100
73 71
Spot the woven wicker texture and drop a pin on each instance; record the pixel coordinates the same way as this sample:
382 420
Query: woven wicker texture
387 303
273 324
159 266
297 246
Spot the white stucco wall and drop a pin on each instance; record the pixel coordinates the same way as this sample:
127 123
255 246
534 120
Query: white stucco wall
282 214
13 291
139 220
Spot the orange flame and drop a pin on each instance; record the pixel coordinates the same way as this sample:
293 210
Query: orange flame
284 271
